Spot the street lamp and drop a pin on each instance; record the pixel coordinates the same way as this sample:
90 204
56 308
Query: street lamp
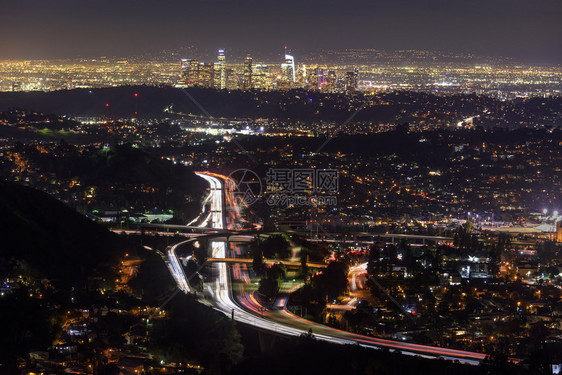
555 214
544 211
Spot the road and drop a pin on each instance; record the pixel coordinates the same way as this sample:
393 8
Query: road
288 264
246 309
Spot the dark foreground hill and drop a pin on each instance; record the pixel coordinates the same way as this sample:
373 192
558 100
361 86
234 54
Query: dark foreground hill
43 238
295 105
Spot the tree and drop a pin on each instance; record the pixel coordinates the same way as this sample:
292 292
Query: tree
276 271
200 250
333 280
407 256
375 264
304 271
268 287
153 281
275 246
257 263
547 252
194 332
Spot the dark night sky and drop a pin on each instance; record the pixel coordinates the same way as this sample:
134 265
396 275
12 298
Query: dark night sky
530 30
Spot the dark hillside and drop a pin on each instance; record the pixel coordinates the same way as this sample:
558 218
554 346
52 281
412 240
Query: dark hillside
48 239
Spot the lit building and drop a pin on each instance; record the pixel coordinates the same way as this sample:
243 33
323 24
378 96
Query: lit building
301 76
247 80
330 81
193 73
351 80
288 68
185 69
222 70
217 75
205 78
260 77
231 79
316 78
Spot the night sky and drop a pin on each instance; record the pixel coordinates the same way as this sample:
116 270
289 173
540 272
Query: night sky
529 30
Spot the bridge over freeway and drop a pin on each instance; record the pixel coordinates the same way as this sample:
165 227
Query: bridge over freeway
288 264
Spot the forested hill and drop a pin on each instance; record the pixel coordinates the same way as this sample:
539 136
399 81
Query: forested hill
295 105
44 238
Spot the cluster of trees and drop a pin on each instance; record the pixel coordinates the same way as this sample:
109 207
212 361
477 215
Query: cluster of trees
274 246
310 251
327 285
196 333
273 275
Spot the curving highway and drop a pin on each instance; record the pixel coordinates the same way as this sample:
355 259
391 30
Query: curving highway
247 309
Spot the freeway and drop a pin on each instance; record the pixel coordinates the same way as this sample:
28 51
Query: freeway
289 264
248 310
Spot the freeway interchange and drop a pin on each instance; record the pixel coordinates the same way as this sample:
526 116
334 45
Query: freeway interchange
246 309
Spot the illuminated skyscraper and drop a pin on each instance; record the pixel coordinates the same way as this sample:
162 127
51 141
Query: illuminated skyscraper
352 80
217 75
288 68
16 86
260 77
247 81
290 61
205 78
231 79
222 69
190 72
185 69
301 75
193 73
315 78
331 81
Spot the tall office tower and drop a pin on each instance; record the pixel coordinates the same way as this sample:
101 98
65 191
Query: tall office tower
301 76
331 81
290 67
351 80
320 77
193 73
231 79
216 75
222 64
260 77
184 70
285 81
356 77
205 75
316 78
311 81
16 86
247 81
288 74
340 83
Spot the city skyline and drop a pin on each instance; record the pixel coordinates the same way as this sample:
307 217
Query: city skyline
524 30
